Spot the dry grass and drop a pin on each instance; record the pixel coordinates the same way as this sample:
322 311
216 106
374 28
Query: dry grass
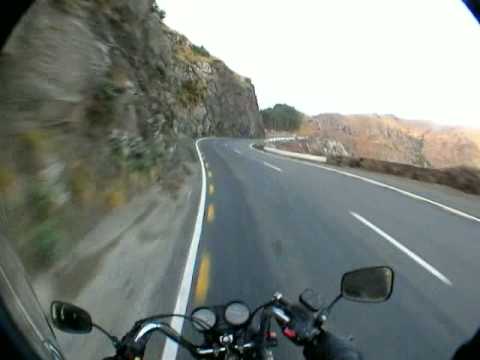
192 93
82 184
187 54
306 129
114 199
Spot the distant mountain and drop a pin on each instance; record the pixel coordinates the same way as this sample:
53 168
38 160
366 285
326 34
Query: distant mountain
386 137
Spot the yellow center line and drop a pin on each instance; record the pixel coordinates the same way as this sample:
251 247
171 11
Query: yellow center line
211 189
203 280
210 174
211 213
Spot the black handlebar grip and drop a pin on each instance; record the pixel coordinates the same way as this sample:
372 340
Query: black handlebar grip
284 302
330 347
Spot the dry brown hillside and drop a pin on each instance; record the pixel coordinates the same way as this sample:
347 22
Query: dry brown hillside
386 137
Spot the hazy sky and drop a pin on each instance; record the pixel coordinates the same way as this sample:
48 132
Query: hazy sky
414 58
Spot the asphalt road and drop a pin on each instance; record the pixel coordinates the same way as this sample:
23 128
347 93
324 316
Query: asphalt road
273 224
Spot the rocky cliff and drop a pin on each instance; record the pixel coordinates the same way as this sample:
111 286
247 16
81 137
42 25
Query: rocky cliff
388 138
99 100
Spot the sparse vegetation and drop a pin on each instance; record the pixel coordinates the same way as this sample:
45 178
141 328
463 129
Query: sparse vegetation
115 198
100 112
7 179
192 93
200 51
134 153
162 14
192 54
307 128
282 117
82 184
40 201
33 141
45 243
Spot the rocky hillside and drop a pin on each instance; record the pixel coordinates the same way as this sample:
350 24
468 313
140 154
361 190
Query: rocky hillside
99 101
388 138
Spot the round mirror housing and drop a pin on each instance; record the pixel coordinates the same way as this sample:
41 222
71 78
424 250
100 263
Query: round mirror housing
373 284
70 318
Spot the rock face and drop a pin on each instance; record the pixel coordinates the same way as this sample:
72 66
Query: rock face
99 101
67 53
388 138
314 146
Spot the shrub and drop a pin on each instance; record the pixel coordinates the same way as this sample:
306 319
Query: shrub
162 14
134 153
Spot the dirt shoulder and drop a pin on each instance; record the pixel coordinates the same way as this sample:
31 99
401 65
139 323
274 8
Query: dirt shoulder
128 267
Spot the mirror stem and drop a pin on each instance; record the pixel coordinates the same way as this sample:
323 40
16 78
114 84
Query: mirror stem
326 312
112 338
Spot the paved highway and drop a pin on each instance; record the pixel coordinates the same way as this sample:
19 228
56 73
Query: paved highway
274 224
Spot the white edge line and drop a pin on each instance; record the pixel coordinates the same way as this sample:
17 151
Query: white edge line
385 186
171 348
403 248
272 166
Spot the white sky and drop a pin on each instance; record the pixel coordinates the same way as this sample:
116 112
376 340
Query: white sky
417 59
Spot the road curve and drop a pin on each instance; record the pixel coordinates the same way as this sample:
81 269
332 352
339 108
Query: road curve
273 224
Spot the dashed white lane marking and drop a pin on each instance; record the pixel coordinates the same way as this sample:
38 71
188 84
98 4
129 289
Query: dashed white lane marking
272 166
380 184
238 152
403 248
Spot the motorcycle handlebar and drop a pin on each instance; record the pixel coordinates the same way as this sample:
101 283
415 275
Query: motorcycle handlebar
151 326
278 311
281 315
211 351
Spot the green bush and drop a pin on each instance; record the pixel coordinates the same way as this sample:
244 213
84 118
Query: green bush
45 243
40 202
282 117
101 113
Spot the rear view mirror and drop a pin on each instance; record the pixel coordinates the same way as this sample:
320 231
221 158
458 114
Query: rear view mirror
373 284
311 300
70 318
